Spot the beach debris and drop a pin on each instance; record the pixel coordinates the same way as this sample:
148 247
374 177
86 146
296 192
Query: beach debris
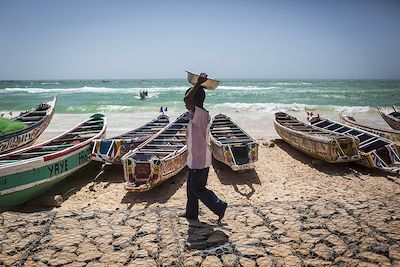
48 201
394 179
356 173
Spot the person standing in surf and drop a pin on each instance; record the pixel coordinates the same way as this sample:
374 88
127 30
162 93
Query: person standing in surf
199 155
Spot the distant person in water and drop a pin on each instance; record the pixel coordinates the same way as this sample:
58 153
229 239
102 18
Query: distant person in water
199 155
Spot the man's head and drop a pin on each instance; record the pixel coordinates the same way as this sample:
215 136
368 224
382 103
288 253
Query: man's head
198 98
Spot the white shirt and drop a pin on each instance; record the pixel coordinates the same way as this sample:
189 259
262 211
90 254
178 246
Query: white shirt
199 154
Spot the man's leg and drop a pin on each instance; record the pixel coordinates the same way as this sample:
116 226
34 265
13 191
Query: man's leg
192 204
208 197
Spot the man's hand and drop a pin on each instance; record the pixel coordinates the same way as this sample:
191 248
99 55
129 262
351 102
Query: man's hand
202 78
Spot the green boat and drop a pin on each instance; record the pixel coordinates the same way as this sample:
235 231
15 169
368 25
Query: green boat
26 173
33 121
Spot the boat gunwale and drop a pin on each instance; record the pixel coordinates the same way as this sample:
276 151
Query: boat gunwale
355 124
314 136
56 154
131 153
217 141
49 114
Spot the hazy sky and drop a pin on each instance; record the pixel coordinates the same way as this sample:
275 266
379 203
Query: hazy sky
228 39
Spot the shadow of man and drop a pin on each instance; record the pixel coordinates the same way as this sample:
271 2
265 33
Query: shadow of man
242 181
203 236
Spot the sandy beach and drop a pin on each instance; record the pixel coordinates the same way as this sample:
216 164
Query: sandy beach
282 173
291 210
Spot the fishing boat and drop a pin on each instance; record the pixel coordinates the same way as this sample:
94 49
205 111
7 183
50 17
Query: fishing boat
376 152
316 142
392 135
35 120
112 150
232 145
392 118
159 158
28 172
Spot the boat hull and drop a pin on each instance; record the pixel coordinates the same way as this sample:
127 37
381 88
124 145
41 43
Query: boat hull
159 172
116 149
231 145
376 151
222 154
392 135
112 150
157 159
331 148
26 137
20 186
391 120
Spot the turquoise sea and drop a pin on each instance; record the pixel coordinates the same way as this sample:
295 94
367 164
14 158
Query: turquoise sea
251 102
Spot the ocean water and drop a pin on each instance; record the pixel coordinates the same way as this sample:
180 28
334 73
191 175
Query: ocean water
251 103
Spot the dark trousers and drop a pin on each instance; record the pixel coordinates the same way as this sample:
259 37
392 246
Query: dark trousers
196 189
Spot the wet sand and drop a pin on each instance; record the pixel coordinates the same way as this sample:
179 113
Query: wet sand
290 210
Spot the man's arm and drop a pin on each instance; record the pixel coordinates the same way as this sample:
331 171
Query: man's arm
189 98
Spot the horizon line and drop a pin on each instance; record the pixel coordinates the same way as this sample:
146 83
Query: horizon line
264 79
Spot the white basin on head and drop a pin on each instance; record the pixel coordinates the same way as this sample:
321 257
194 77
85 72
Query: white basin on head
210 84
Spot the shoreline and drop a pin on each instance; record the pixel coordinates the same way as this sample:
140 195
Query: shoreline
258 124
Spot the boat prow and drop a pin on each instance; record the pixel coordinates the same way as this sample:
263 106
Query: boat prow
231 145
392 135
28 172
36 121
316 142
113 149
157 159
376 152
392 118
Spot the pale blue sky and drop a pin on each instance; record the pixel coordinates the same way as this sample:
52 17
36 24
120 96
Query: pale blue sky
228 39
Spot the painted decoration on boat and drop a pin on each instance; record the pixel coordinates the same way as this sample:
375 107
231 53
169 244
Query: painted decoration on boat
28 172
36 119
315 142
231 145
159 158
112 150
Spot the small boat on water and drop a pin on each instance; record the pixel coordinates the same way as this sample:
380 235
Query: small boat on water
393 135
28 172
376 151
316 142
392 118
231 145
113 149
35 120
159 158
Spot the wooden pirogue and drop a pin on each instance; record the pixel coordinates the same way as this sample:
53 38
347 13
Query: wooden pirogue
113 149
231 145
392 118
376 151
393 135
159 158
36 121
28 172
316 142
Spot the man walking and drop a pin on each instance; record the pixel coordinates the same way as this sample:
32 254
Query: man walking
199 155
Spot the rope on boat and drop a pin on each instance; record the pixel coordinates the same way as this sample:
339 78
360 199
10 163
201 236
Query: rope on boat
341 150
